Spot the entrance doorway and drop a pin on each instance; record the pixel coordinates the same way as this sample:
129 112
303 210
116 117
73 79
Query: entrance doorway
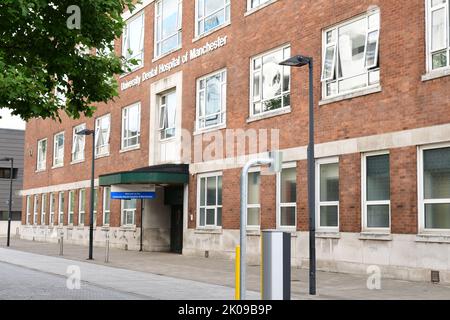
176 229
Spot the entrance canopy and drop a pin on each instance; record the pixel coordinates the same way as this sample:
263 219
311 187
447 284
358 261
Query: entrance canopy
160 174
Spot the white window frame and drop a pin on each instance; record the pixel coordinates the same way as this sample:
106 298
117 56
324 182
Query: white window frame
52 203
158 20
286 52
420 190
162 112
75 139
368 69
206 206
104 147
124 120
124 212
261 3
223 100
28 204
56 156
139 55
319 203
71 207
41 164
364 202
226 6
95 204
287 165
61 208
429 11
35 209
81 206
254 206
43 208
104 206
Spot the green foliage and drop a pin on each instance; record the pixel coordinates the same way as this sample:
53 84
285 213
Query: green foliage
43 70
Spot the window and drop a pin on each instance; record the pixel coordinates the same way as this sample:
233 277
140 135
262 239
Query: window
131 130
5 173
95 205
287 197
167 115
41 155
58 149
252 4
61 208
327 194
81 206
167 26
35 209
438 30
376 191
434 188
78 143
106 205
52 209
211 100
210 200
211 14
350 56
128 212
102 132
71 206
43 208
270 82
254 202
133 41
28 210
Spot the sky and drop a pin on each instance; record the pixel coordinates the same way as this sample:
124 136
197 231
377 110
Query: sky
8 121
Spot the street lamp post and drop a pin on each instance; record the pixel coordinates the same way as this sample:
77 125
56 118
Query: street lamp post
87 132
300 61
11 173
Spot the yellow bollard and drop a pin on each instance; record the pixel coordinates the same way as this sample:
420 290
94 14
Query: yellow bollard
237 292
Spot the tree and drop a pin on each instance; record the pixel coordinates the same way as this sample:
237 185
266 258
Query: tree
59 55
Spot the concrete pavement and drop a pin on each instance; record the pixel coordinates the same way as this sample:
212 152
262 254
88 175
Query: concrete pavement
220 272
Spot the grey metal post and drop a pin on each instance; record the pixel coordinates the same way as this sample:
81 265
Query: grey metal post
91 222
243 231
311 187
107 248
10 202
61 243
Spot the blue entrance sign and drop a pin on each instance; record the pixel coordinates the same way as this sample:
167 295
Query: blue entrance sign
133 195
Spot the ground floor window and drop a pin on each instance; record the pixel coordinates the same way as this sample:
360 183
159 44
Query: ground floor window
128 212
81 206
43 208
35 209
61 208
106 205
71 206
254 203
327 193
28 210
52 208
376 191
210 200
434 188
287 197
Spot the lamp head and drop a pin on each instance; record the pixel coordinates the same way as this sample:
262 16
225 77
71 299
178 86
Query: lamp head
85 132
296 61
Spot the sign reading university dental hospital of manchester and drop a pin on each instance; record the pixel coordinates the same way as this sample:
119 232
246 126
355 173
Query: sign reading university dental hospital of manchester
175 62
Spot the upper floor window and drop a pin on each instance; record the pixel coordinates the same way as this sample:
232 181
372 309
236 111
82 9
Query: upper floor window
211 14
438 29
270 82
102 133
167 26
252 4
210 200
211 100
131 126
133 40
41 154
58 149
350 56
434 188
167 115
376 191
78 143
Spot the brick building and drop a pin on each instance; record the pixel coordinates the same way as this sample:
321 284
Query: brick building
209 68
